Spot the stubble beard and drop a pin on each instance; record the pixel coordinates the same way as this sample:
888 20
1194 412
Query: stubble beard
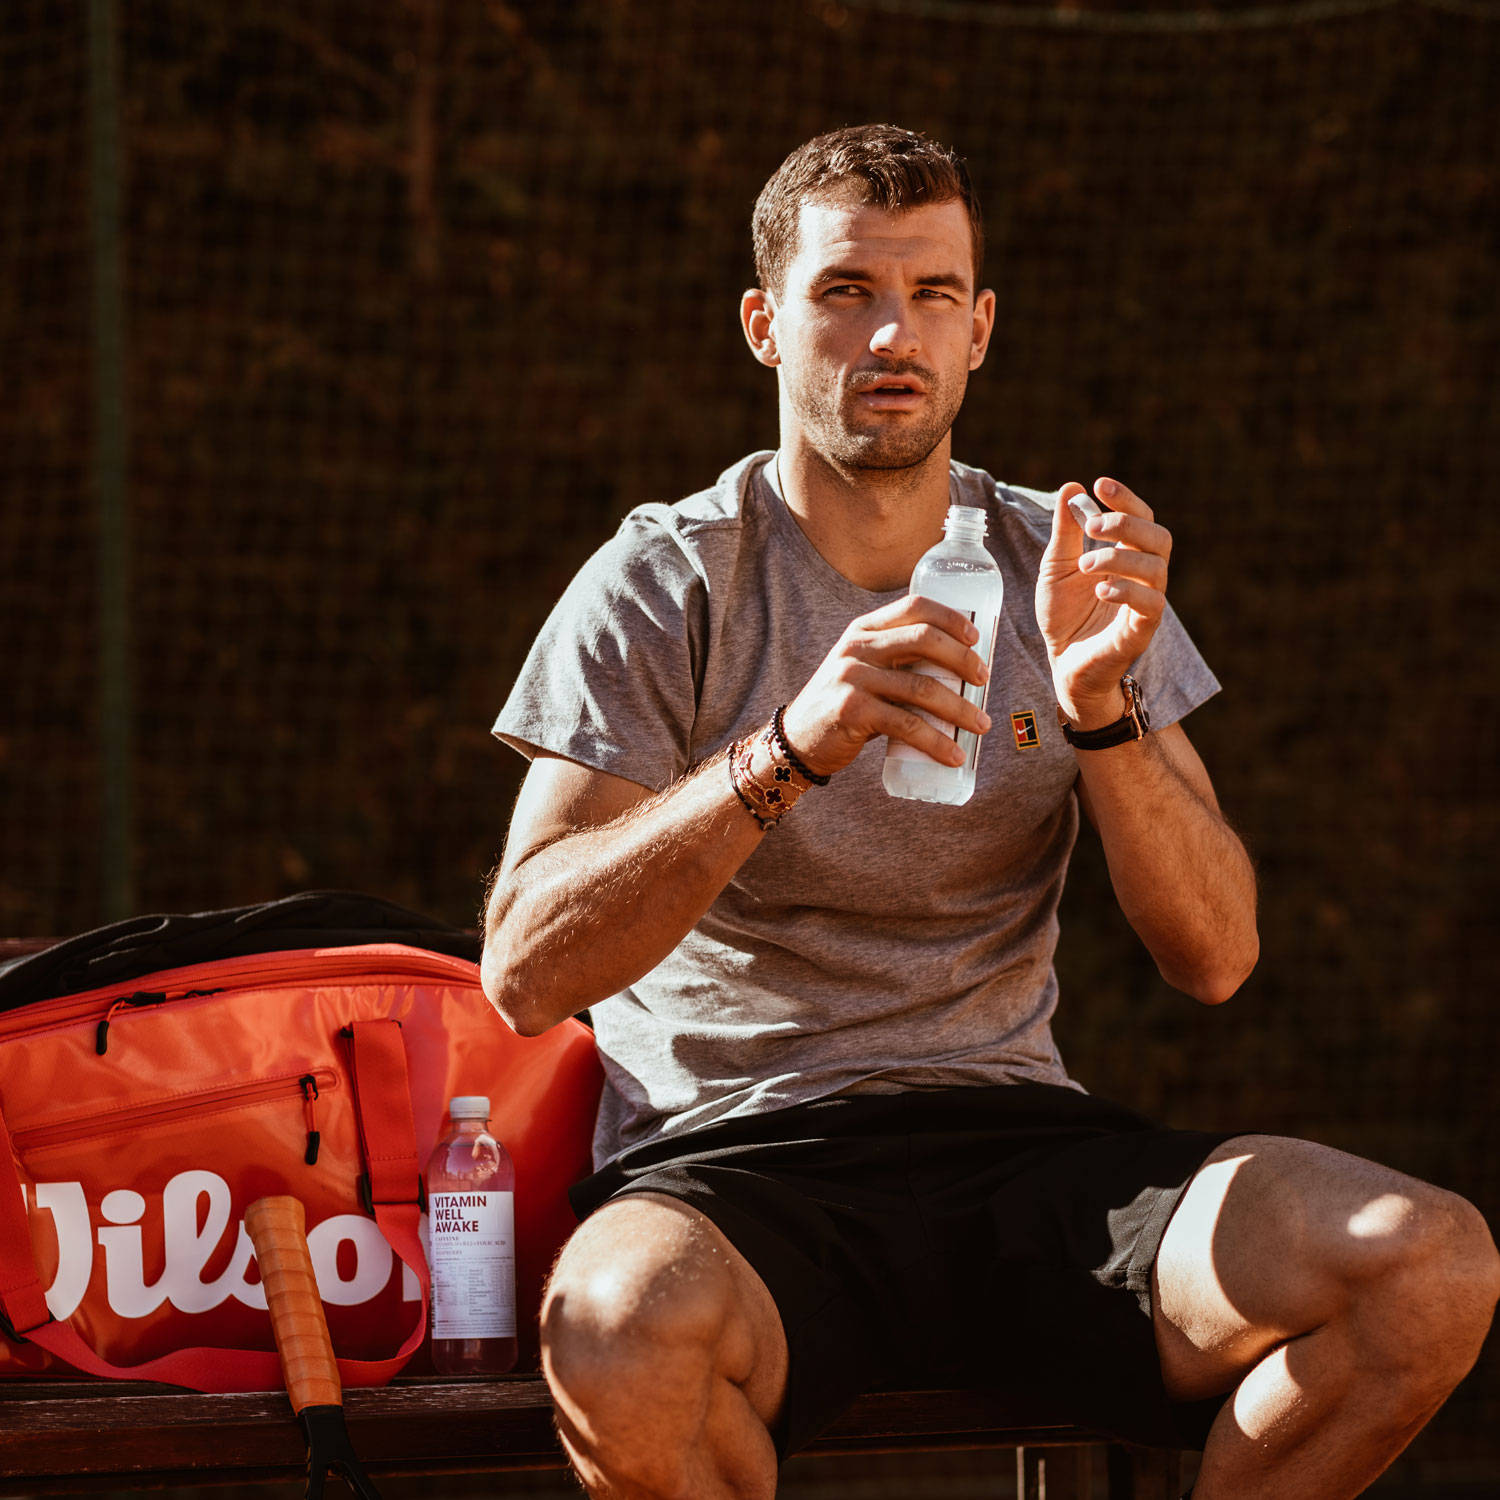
856 439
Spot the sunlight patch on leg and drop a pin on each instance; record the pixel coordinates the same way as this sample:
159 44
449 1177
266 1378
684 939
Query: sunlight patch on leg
1381 1217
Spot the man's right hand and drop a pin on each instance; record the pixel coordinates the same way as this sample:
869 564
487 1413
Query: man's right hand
861 693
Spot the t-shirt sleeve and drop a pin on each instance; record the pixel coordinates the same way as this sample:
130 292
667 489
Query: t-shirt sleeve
609 682
1173 676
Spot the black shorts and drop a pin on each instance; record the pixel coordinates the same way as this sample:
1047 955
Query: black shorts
999 1238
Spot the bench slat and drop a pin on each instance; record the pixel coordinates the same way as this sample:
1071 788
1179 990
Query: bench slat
55 1434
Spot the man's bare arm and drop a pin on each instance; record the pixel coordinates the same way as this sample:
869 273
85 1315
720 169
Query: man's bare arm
1180 874
601 879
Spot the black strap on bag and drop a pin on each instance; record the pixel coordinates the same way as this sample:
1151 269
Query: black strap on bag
124 951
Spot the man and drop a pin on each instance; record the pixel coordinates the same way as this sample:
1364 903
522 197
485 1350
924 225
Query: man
837 1147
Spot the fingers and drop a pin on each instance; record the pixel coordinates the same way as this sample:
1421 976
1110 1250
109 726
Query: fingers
853 702
912 729
1139 532
1082 506
914 631
880 700
1116 506
1149 603
910 657
918 609
925 692
1131 568
1120 498
915 708
1068 539
919 645
1148 568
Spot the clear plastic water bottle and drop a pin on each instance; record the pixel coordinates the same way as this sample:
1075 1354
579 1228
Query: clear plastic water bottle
960 573
471 1245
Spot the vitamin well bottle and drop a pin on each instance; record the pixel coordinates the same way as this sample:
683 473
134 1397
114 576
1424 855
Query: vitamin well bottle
960 573
471 1239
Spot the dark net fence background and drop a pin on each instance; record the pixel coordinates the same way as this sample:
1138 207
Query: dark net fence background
417 300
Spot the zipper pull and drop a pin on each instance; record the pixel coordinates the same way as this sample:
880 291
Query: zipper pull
101 1031
141 997
309 1096
135 1001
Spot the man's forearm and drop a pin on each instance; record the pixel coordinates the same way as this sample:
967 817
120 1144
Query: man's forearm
589 913
1180 874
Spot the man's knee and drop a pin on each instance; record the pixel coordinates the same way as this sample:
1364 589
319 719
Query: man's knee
1277 1238
1433 1276
644 1321
627 1303
1415 1277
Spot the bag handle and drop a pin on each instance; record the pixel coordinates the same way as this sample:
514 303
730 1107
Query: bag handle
388 1138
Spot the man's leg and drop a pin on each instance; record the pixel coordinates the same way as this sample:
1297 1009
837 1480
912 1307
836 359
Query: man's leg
1340 1301
665 1355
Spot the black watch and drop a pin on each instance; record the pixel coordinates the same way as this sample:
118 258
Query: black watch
1132 727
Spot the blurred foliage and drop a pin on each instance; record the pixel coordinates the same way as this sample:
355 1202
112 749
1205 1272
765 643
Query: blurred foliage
422 297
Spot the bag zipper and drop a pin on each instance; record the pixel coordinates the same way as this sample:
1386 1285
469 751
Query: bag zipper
266 971
308 1083
140 998
307 1087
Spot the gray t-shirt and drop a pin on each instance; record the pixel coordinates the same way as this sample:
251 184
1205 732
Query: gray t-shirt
869 942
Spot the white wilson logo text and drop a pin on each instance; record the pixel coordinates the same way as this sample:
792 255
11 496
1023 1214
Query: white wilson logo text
188 1248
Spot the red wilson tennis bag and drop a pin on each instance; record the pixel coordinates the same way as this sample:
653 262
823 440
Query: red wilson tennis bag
159 1075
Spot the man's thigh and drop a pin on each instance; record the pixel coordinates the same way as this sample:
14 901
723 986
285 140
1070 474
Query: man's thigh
647 1276
1272 1239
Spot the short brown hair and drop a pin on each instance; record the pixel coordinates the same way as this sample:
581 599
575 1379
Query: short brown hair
880 165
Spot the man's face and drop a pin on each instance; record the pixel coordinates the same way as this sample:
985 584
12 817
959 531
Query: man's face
877 329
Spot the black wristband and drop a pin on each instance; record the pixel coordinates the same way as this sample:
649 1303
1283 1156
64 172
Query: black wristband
778 729
1133 726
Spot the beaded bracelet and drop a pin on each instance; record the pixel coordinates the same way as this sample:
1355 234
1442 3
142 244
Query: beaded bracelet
765 823
778 729
765 783
740 778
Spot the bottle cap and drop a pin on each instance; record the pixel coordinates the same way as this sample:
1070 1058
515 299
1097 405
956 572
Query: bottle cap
469 1107
1085 508
966 521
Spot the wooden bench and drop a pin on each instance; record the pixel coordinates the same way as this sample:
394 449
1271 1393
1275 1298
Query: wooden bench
57 1436
60 1436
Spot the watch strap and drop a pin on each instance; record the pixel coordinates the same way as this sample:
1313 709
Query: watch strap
1133 725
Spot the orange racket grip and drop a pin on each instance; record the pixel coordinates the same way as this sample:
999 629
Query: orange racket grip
277 1229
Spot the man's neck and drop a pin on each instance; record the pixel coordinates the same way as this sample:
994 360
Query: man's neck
871 525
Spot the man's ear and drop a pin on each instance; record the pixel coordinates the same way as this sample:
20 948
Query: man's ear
984 326
758 319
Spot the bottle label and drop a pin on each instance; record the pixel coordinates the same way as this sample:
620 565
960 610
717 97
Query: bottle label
987 625
472 1254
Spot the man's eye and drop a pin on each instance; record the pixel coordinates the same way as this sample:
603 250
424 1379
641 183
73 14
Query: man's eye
842 291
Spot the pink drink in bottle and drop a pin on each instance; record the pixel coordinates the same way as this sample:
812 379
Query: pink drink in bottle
471 1239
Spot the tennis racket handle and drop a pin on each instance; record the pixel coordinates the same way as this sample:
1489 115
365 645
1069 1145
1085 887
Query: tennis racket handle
277 1229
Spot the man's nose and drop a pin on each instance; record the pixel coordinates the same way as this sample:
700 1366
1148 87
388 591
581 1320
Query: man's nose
896 337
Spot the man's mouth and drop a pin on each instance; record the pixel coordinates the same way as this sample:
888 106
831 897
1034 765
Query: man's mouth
891 392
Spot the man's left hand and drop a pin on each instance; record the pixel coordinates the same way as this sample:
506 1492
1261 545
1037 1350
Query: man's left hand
1099 609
